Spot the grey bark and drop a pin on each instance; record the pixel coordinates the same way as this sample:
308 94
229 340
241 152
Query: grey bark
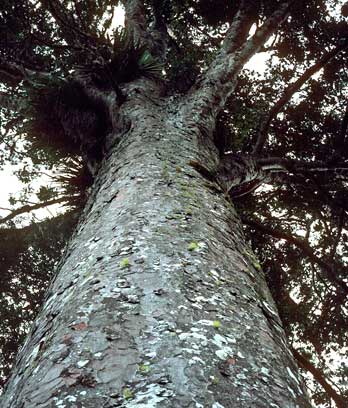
159 300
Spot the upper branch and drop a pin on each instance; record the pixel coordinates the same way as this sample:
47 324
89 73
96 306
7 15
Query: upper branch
263 33
12 73
239 29
287 95
154 38
135 21
209 94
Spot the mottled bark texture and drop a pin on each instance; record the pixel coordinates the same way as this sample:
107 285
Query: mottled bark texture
159 301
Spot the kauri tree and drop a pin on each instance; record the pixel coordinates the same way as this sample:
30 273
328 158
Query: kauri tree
209 258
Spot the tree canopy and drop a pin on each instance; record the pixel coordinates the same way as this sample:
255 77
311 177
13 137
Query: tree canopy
291 117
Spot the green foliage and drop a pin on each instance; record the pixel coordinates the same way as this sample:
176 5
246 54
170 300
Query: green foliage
131 60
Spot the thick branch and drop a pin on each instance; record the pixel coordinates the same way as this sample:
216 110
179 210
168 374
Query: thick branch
135 21
159 32
288 93
340 401
209 94
29 208
327 268
18 72
278 164
240 174
264 32
240 27
237 170
154 39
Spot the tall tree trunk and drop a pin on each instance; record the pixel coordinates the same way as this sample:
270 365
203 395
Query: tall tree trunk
159 301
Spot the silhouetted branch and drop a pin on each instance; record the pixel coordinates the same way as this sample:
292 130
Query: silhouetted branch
340 401
29 208
18 72
339 233
327 268
66 21
287 95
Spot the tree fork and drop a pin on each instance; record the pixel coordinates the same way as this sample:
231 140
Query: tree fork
159 300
